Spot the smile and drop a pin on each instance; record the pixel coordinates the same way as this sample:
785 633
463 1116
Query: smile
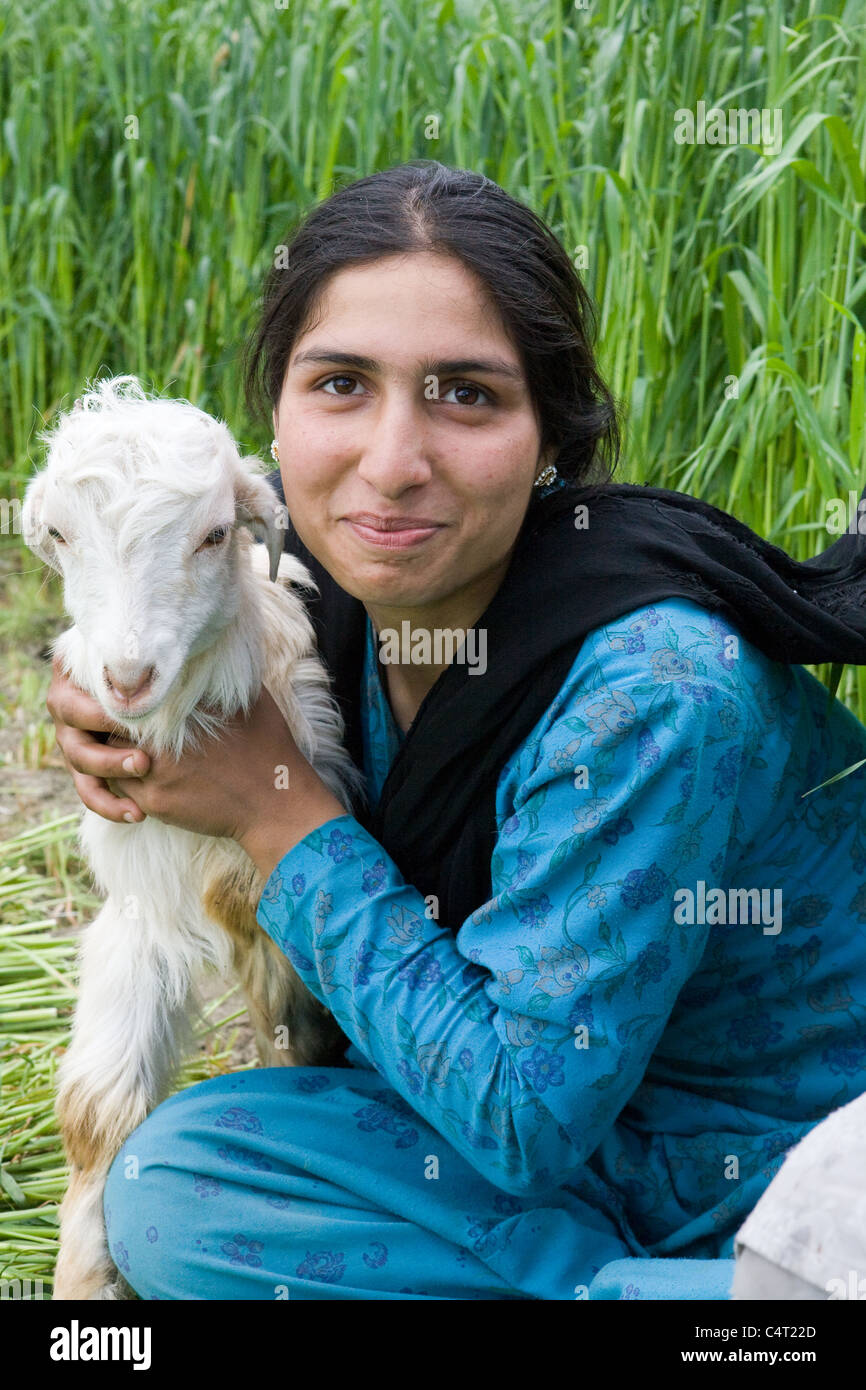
395 539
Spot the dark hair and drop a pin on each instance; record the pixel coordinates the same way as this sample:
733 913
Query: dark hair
427 206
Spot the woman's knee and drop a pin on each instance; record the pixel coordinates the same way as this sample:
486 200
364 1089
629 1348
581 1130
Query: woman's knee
146 1182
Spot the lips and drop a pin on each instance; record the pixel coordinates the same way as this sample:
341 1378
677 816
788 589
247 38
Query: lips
392 532
392 523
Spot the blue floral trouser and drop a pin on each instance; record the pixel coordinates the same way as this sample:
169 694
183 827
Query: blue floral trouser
323 1183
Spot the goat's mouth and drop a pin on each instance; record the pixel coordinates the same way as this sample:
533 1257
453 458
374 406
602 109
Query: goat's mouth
130 715
116 709
134 699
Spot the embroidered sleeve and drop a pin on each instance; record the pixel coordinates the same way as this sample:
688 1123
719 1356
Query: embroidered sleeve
521 1039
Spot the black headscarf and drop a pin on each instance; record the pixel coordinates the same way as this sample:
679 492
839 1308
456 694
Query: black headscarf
436 814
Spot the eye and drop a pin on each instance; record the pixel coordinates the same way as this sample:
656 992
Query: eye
468 386
214 537
55 535
341 377
458 386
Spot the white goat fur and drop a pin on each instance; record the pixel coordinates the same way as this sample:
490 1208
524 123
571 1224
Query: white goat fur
133 484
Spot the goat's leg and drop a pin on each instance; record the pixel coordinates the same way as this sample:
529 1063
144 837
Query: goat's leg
84 1269
292 1029
130 1023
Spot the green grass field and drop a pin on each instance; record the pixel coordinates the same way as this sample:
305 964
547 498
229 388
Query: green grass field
152 155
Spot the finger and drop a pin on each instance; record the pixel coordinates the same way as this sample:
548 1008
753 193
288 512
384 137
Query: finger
96 797
85 754
67 703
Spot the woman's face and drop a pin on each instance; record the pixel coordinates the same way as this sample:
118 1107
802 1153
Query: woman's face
407 438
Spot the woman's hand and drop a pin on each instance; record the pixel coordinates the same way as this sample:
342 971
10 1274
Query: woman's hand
250 784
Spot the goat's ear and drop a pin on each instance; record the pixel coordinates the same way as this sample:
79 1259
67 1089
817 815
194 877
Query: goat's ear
33 529
258 508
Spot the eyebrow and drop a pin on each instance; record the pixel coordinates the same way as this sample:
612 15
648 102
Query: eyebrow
491 366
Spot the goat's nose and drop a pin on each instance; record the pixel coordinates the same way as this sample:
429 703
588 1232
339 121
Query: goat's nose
133 686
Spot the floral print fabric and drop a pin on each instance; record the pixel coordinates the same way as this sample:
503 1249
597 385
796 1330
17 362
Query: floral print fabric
575 1032
326 1190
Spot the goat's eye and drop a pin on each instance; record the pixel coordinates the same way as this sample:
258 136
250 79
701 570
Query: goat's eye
215 537
55 535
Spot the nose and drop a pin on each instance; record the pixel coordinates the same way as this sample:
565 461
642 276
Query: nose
129 687
393 453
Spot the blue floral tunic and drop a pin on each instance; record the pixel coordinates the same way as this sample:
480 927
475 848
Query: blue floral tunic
583 1093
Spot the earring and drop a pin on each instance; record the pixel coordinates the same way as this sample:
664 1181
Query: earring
546 476
274 452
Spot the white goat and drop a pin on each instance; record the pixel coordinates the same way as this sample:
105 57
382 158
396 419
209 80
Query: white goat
145 507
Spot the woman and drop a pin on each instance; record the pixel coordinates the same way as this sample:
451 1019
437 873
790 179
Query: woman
567 1076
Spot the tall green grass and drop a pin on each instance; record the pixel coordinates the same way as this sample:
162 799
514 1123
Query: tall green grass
146 254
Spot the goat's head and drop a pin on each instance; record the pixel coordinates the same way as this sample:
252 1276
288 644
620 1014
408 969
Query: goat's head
141 507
